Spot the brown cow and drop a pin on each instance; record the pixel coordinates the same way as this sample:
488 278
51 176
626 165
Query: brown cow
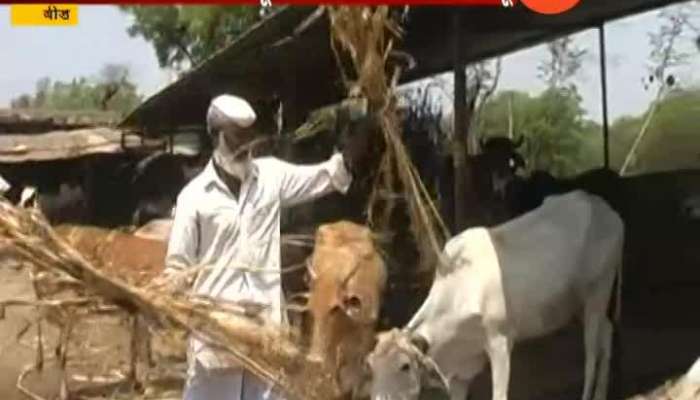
348 277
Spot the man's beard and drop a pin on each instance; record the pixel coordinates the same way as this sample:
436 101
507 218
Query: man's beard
236 165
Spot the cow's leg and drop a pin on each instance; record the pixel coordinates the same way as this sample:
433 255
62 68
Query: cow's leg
591 328
499 347
459 389
605 343
597 337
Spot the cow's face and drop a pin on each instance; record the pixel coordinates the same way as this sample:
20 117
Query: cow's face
502 162
399 367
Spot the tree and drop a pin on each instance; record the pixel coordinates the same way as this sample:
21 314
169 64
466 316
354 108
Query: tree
671 140
558 137
43 86
112 90
23 101
185 36
664 57
565 59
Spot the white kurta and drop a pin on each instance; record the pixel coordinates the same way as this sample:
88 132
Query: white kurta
212 227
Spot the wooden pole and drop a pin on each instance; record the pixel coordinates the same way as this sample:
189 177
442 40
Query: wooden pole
459 139
604 95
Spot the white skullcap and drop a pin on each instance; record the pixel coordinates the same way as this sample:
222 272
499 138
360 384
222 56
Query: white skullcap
234 108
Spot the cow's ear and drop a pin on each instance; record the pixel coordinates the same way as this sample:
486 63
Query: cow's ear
421 343
310 271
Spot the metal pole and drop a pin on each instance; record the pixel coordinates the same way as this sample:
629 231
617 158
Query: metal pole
604 94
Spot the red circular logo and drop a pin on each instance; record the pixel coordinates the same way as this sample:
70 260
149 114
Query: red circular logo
550 6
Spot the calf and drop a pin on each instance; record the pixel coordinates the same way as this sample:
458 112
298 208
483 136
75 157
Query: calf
519 280
348 277
157 229
129 257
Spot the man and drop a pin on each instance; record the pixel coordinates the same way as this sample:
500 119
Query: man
228 218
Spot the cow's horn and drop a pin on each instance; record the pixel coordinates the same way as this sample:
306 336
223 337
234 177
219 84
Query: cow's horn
433 372
519 141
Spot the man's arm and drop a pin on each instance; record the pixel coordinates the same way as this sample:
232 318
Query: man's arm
183 244
303 183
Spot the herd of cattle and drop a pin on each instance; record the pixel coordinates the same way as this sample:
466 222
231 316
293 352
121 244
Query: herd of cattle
552 254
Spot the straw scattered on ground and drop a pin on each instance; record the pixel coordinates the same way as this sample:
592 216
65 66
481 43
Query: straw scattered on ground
266 350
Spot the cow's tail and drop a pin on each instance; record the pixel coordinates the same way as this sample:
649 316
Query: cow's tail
616 368
617 310
617 314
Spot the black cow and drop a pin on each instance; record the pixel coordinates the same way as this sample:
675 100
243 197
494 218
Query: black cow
156 182
491 173
525 194
68 205
518 195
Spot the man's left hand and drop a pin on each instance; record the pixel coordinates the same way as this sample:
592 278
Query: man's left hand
357 148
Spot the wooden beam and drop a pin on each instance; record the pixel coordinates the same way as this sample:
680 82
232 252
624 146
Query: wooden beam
459 138
604 95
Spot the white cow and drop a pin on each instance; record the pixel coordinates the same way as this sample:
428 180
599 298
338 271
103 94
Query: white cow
522 279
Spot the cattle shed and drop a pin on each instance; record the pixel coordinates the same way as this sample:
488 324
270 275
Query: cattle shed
77 161
287 57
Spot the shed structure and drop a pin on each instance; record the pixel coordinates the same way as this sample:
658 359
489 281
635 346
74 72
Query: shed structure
278 59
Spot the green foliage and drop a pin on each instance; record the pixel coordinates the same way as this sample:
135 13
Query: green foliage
189 34
112 91
558 137
561 140
672 141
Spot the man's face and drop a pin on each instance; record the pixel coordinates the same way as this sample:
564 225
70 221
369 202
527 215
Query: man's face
235 139
232 151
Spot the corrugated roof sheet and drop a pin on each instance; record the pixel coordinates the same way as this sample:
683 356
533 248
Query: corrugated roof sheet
65 144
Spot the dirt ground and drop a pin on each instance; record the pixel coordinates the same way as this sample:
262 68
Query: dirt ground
98 353
659 341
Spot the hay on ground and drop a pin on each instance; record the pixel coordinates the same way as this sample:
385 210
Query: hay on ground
266 350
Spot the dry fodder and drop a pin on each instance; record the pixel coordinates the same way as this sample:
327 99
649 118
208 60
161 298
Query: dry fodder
266 350
678 389
367 36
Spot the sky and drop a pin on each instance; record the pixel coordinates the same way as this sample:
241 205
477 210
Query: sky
100 37
62 53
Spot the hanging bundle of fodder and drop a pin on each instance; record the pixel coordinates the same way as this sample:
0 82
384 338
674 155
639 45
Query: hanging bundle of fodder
266 350
364 40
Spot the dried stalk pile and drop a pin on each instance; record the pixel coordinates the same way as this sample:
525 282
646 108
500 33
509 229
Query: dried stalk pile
367 37
266 350
686 387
